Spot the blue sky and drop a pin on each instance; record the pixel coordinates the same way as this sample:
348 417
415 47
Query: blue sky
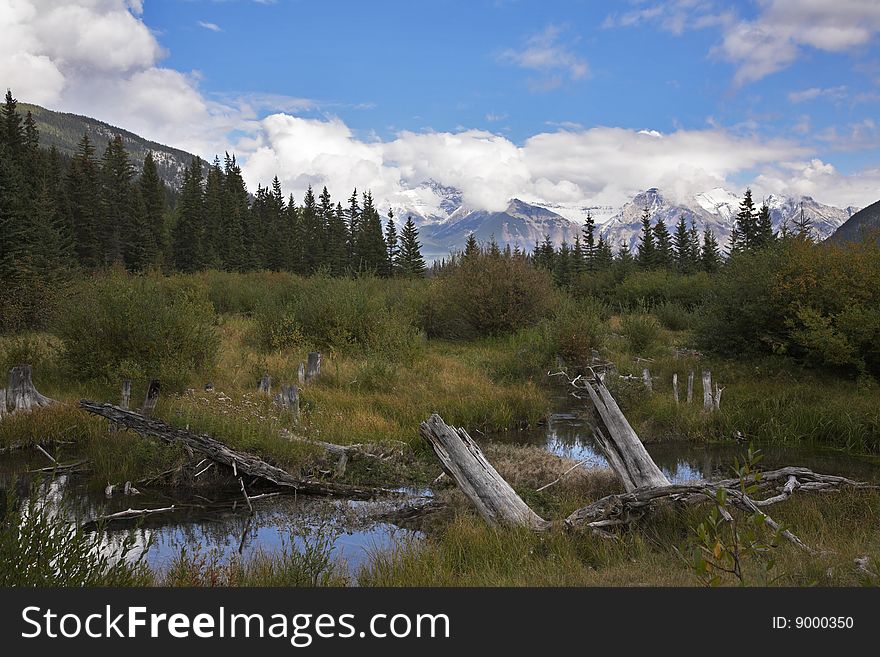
779 94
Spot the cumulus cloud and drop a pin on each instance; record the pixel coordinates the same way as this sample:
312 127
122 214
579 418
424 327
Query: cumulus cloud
822 181
598 165
544 52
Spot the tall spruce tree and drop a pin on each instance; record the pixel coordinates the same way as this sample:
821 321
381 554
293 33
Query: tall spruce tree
83 200
371 248
392 247
663 253
154 198
646 254
189 225
746 225
710 255
410 260
589 247
763 228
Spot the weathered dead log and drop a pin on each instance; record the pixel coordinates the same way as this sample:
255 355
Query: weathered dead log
498 503
690 393
463 460
708 403
289 399
625 452
313 368
221 453
128 514
151 399
126 394
22 394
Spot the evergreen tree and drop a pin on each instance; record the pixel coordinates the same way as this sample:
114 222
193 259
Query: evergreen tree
710 256
578 261
763 228
189 227
746 226
664 256
311 233
604 255
625 263
127 239
236 244
336 256
590 242
371 248
153 195
83 199
410 260
803 226
391 246
646 255
681 246
354 219
471 247
562 265
216 252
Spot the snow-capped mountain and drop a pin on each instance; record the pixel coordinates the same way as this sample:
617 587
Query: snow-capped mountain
521 224
445 221
716 209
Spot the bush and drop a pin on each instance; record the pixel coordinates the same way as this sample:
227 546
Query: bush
642 332
487 294
652 288
40 547
119 326
820 303
574 332
674 316
345 315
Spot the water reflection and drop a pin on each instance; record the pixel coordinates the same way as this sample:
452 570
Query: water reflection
567 433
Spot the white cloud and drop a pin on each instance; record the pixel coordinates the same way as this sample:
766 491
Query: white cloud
822 181
599 165
835 94
545 53
210 26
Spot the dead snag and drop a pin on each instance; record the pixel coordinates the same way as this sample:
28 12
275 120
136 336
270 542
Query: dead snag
463 460
240 462
675 387
301 373
708 403
151 399
264 385
126 394
289 399
22 394
313 368
690 393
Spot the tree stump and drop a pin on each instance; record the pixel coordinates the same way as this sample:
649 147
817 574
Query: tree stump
301 374
126 394
313 368
708 402
2 402
289 399
675 386
151 399
265 384
646 379
690 393
21 392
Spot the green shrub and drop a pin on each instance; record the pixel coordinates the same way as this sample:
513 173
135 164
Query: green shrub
40 547
574 332
642 332
674 316
119 326
652 288
486 295
339 314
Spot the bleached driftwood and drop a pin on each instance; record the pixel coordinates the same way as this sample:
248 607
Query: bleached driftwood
463 460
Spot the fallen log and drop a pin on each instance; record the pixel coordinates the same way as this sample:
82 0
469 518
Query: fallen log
221 453
498 503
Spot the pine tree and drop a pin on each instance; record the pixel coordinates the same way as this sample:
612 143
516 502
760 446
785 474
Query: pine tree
710 256
311 233
578 262
371 248
803 226
764 228
681 245
646 255
663 252
590 242
236 245
215 249
746 226
562 265
83 196
189 227
625 263
153 196
126 237
604 254
410 260
392 247
12 132
471 247
354 219
336 255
